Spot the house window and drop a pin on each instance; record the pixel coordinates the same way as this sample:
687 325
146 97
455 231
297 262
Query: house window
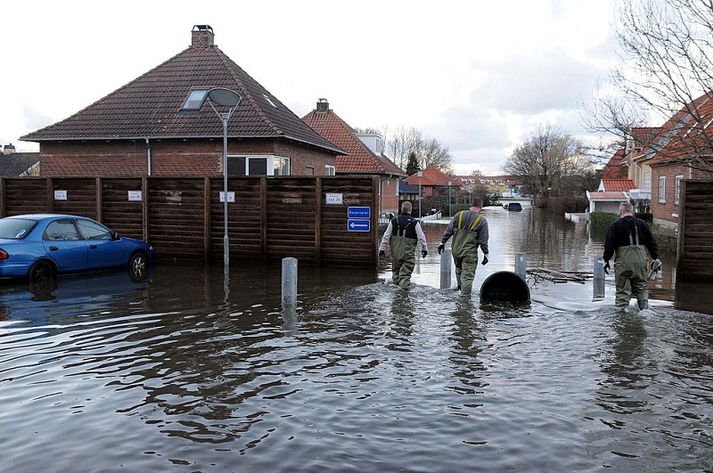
677 195
662 189
329 170
258 166
309 171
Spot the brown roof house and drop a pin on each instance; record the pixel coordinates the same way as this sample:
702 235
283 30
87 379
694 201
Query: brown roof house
364 153
139 129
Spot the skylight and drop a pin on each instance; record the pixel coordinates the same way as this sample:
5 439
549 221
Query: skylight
195 100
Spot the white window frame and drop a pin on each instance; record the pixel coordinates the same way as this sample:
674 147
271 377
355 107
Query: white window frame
662 189
330 170
677 190
270 164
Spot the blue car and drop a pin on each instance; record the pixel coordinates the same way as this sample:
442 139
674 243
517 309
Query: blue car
44 245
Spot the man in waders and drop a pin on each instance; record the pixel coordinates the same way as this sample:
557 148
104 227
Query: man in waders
629 238
470 231
402 234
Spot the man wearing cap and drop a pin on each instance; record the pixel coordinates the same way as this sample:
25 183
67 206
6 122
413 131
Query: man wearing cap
402 235
469 231
629 238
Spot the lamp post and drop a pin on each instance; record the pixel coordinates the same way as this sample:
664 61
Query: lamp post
420 175
229 99
450 213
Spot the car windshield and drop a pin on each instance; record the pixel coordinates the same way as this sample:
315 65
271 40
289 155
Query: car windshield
16 228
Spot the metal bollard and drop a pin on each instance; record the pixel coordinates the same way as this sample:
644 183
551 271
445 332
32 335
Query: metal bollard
521 265
289 282
446 262
598 278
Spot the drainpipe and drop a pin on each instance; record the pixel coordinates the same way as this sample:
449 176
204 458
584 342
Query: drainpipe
148 156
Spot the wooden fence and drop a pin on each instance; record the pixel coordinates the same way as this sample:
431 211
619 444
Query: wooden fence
694 272
271 218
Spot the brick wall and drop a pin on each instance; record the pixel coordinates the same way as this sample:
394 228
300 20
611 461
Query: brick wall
667 214
389 199
168 157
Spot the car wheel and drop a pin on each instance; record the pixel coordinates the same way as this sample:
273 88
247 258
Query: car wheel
40 271
138 266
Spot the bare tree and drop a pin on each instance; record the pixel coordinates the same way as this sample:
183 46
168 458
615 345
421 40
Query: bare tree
667 67
546 163
436 155
401 142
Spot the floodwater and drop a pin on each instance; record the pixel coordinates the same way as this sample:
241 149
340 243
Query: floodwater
105 374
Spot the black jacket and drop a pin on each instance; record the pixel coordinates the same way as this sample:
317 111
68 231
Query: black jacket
618 235
404 225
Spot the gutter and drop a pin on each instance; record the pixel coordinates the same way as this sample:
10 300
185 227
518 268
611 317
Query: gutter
148 156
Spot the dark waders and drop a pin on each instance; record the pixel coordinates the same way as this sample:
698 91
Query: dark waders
465 254
630 273
403 259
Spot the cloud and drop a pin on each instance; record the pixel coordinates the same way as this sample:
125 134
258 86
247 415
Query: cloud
34 119
534 84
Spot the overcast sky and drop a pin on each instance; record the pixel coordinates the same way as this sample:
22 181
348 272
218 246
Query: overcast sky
478 76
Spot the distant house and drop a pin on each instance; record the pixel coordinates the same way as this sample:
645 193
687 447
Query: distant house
640 149
433 183
139 129
615 185
14 164
364 154
607 201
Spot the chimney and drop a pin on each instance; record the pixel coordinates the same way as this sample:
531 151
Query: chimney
9 149
202 36
322 105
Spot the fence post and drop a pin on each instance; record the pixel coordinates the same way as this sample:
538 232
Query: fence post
598 278
289 282
446 261
99 196
318 221
207 187
521 265
50 194
3 207
145 207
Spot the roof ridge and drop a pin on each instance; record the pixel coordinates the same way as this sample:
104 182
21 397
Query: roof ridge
226 61
115 91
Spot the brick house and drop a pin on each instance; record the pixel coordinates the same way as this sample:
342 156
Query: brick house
684 150
138 130
433 182
364 154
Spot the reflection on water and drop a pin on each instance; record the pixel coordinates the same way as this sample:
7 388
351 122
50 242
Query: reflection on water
167 375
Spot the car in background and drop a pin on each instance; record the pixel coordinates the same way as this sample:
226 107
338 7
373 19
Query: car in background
40 246
513 206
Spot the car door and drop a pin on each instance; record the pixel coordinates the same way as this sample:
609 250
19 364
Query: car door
103 251
64 245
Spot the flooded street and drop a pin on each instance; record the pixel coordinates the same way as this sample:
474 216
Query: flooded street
105 374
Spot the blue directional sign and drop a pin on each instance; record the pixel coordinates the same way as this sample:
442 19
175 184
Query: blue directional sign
359 212
359 226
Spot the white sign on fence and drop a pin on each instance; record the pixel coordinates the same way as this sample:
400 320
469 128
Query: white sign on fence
135 196
60 195
231 197
335 199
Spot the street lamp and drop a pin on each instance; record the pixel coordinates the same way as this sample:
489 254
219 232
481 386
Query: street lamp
224 98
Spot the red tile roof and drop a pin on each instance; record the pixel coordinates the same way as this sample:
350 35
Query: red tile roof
359 158
684 136
607 196
644 135
623 185
433 177
615 169
149 107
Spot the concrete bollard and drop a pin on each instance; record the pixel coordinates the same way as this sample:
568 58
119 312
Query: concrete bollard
289 282
521 265
598 278
446 263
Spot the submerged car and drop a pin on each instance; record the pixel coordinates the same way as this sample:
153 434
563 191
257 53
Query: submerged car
514 206
39 246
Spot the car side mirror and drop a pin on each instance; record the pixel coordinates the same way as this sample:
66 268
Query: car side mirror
114 235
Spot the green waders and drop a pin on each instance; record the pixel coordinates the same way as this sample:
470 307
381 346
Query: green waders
465 254
403 259
630 273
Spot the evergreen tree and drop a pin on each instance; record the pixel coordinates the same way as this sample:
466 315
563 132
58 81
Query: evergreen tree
412 167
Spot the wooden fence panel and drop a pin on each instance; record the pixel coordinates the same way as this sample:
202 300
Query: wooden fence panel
118 213
81 196
339 246
695 259
25 196
176 215
291 207
244 217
